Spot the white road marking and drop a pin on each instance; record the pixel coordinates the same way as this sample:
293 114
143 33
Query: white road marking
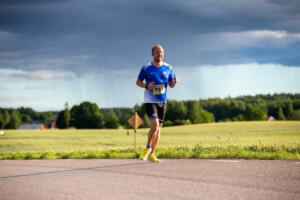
297 163
229 161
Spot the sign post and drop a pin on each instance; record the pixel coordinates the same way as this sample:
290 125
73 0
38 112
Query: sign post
135 121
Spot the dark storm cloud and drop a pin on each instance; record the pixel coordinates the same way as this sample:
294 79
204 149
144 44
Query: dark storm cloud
85 36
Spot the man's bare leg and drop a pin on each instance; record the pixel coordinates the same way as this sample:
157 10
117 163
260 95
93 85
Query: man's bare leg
156 138
152 132
151 136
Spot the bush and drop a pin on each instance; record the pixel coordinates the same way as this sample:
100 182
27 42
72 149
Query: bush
86 115
168 123
206 117
225 120
255 114
112 121
182 122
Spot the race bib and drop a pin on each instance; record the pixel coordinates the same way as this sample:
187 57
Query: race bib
159 89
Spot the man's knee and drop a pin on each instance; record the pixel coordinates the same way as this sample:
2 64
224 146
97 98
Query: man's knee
155 125
160 124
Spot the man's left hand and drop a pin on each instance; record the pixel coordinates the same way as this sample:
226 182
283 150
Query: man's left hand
174 82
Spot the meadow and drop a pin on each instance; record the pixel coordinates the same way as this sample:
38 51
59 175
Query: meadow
245 140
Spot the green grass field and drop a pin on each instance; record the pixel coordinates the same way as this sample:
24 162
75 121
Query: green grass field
249 140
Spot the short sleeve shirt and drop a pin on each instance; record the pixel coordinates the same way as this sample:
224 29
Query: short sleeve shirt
160 76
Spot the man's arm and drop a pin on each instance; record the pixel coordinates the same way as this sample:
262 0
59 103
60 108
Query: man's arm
143 85
174 82
140 83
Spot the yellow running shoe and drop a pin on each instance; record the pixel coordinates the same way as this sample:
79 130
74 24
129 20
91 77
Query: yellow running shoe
145 154
153 158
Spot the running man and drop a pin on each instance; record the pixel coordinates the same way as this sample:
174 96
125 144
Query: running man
158 76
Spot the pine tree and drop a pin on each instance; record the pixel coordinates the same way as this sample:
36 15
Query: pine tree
63 118
67 114
280 114
290 111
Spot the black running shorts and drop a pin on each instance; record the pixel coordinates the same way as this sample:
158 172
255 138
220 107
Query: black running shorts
156 111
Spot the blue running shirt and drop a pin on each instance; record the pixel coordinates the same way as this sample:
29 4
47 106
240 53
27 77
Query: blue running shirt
160 76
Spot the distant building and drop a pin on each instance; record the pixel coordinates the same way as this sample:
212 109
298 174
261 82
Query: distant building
271 118
33 125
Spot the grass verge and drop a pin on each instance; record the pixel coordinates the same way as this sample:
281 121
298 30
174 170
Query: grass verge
263 152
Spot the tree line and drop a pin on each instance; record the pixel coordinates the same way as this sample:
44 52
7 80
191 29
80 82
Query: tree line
11 118
89 115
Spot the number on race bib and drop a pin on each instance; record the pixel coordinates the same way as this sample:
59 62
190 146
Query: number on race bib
159 89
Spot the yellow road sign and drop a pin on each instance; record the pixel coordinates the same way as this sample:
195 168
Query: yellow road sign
135 121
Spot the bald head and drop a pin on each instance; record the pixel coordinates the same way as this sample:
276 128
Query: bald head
158 54
157 46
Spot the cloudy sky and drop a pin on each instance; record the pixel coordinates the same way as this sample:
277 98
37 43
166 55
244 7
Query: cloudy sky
58 51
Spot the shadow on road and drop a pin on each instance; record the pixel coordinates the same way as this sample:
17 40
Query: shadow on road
69 170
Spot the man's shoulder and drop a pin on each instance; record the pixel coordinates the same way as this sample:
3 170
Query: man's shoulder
147 65
168 65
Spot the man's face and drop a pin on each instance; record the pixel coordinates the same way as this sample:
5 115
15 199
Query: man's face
158 54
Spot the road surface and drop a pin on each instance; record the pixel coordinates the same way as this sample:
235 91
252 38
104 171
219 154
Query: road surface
136 179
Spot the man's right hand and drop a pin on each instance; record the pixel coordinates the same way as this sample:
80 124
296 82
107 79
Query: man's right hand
151 86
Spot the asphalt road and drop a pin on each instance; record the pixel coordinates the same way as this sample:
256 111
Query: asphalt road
136 179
